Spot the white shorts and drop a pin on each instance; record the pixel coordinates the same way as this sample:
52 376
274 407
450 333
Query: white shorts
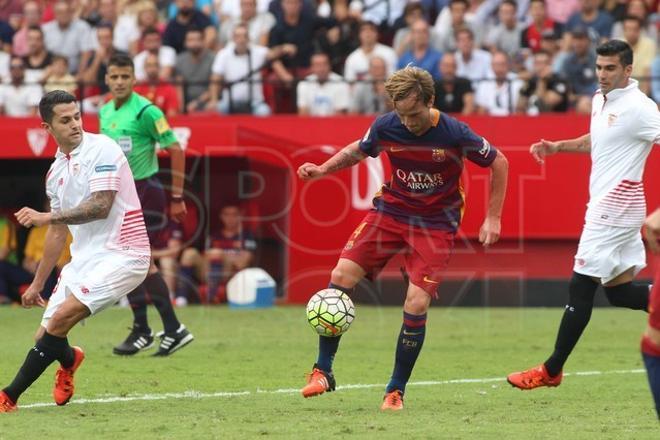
606 252
98 287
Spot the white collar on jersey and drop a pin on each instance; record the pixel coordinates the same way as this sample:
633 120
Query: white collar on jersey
617 93
74 152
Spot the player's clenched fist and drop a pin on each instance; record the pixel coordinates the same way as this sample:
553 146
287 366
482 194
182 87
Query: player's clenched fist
308 171
29 217
543 148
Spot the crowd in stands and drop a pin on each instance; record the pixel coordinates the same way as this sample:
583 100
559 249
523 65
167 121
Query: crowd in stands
321 57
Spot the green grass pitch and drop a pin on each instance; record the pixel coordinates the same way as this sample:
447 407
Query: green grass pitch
240 379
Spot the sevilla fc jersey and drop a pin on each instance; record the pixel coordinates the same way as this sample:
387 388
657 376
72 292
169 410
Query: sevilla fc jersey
425 186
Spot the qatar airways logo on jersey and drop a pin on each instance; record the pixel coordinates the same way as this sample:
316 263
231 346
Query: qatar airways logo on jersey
419 180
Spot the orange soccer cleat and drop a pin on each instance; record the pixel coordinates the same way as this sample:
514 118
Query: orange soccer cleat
6 405
318 382
64 387
393 401
534 378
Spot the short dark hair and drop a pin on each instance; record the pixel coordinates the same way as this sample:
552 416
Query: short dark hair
619 48
510 2
105 25
367 23
121 60
464 30
36 28
465 2
50 100
149 31
638 20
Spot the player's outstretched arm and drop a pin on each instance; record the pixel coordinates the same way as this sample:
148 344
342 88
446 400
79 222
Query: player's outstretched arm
347 157
96 207
53 247
491 228
178 207
544 148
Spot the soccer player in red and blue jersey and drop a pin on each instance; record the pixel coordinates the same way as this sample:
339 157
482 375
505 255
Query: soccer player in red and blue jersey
651 339
417 213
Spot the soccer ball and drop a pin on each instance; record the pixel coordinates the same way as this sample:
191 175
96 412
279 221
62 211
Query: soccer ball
330 312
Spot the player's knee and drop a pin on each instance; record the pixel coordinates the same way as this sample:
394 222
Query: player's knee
581 289
417 301
344 277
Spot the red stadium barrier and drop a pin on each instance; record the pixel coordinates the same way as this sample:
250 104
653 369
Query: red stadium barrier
314 219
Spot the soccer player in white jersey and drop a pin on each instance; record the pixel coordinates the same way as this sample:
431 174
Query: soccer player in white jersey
625 124
92 194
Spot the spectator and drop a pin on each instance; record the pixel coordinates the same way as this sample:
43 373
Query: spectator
560 10
382 12
4 67
17 98
231 9
422 54
130 26
590 16
544 91
58 76
299 29
357 63
31 18
369 96
237 69
259 24
10 8
6 35
473 64
578 68
13 275
69 37
38 58
643 51
323 93
193 71
7 256
188 17
531 36
447 29
453 94
104 13
412 13
637 8
228 251
152 43
95 72
205 6
506 35
498 96
163 94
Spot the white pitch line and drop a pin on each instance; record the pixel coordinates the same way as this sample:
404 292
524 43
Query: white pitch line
219 394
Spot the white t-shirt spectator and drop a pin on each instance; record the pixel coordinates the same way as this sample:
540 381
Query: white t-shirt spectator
126 32
4 67
166 58
19 101
478 67
498 100
325 99
232 8
259 25
233 67
70 42
357 63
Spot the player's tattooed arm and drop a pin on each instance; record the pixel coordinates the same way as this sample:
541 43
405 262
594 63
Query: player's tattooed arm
96 207
581 144
347 157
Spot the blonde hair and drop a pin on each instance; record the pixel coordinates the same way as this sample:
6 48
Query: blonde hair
410 80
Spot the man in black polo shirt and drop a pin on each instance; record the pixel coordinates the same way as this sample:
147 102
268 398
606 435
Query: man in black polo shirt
453 94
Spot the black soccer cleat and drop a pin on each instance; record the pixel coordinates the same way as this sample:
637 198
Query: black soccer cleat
171 342
135 342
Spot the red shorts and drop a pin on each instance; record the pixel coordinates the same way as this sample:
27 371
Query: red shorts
379 237
654 299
